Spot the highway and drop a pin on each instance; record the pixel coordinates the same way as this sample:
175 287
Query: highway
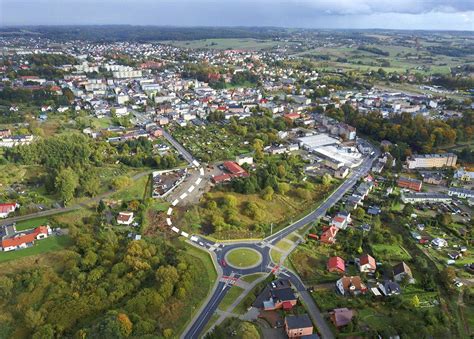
265 266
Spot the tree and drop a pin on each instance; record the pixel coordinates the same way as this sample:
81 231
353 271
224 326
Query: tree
415 301
267 193
66 183
359 213
326 179
408 209
90 183
121 182
444 219
283 188
101 206
125 324
258 148
44 332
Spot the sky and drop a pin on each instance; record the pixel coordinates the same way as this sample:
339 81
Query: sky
388 14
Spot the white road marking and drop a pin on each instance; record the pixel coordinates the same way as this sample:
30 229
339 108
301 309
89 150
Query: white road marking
170 210
175 229
175 202
194 238
182 196
168 221
190 189
198 181
184 234
201 171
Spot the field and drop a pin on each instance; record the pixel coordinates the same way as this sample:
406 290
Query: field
390 252
251 277
211 142
50 244
247 44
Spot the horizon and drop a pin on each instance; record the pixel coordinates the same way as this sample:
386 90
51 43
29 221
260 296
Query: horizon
453 15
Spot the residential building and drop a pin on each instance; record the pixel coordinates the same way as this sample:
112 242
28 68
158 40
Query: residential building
336 264
244 159
341 172
341 316
329 235
421 197
461 174
352 285
389 288
13 240
367 264
341 220
461 192
431 160
297 326
412 184
283 298
7 208
125 218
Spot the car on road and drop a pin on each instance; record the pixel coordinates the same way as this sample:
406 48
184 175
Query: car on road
223 263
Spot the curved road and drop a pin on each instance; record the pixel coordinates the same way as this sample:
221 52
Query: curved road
200 321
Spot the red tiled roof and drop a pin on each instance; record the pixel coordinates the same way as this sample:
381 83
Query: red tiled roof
7 207
367 259
221 178
233 167
336 263
24 238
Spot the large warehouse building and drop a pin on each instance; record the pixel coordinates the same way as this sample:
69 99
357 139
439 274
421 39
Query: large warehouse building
331 151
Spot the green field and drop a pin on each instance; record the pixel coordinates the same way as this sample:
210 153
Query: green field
31 223
243 257
390 252
53 243
247 44
251 277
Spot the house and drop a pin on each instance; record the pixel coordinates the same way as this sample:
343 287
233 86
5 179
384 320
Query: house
23 239
336 264
341 316
235 169
281 298
297 326
367 264
351 285
389 288
125 218
244 159
7 208
374 210
341 220
412 184
461 192
438 242
461 174
400 271
329 235
341 172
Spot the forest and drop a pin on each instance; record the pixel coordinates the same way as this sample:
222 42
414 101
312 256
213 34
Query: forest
105 286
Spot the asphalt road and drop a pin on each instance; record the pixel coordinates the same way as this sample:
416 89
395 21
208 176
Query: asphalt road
200 321
181 150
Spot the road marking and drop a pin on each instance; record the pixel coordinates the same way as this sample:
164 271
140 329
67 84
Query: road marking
175 229
190 189
194 238
201 171
184 234
168 221
170 210
175 202
182 196
198 181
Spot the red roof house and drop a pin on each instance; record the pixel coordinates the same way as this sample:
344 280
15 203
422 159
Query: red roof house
367 264
25 239
7 208
235 169
329 235
336 264
292 116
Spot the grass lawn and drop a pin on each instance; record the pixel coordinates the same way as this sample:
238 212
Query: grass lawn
251 277
276 256
243 257
211 322
31 223
50 244
283 245
390 252
202 286
134 192
230 297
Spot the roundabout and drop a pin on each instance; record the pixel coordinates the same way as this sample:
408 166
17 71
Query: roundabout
243 258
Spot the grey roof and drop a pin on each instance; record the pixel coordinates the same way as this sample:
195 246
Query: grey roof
298 321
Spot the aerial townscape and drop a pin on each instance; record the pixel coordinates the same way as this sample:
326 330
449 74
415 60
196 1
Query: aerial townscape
221 182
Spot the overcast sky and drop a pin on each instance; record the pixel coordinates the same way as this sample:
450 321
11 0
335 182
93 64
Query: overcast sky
394 14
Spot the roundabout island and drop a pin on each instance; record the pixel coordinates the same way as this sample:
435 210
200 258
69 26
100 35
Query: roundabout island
243 258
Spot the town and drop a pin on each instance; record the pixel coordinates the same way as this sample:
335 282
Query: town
269 188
